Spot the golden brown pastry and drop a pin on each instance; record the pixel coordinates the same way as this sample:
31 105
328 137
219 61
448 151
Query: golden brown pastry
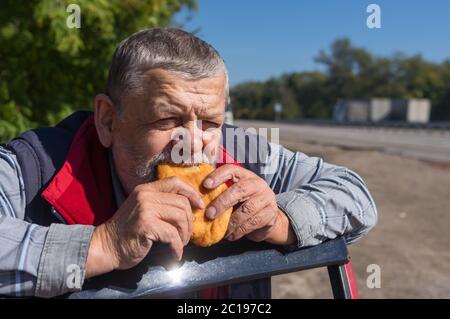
205 232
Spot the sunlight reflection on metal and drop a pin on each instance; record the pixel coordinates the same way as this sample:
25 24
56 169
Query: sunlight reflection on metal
176 275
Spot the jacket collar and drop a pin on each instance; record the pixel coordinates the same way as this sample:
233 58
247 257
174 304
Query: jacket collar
81 191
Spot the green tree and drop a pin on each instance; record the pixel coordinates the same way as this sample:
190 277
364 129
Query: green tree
47 70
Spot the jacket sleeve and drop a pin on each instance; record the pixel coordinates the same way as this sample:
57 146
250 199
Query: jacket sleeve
36 260
322 201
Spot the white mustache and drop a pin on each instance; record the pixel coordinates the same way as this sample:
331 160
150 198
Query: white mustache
146 169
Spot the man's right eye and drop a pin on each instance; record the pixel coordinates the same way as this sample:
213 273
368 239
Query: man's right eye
170 121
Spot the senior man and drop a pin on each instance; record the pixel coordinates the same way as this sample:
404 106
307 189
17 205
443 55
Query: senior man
84 192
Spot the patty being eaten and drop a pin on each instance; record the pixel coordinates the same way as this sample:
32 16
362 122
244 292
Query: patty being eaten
205 232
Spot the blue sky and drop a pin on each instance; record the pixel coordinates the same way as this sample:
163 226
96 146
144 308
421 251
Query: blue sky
263 38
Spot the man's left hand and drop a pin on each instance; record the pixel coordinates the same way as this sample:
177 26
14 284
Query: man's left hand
258 216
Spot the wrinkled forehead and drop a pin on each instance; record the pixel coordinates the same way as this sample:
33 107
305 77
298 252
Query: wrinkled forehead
169 93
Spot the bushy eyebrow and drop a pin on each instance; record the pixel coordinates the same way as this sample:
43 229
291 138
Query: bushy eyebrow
212 115
163 108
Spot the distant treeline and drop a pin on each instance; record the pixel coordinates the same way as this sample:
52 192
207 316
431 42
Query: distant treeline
349 72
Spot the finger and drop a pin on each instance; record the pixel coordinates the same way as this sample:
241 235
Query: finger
177 186
173 208
259 234
247 209
179 217
225 173
257 221
168 234
233 195
185 211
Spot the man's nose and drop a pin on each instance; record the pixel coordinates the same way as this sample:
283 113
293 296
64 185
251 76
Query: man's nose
195 136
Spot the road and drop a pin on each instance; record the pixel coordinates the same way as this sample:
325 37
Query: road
432 145
411 240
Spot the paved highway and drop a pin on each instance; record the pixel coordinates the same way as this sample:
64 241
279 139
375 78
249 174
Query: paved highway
432 145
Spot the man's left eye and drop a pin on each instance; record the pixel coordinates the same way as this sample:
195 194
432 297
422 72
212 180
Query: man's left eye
208 124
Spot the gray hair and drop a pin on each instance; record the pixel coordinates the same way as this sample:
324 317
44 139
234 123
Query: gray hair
166 48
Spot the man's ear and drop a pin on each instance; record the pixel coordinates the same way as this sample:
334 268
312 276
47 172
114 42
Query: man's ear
104 115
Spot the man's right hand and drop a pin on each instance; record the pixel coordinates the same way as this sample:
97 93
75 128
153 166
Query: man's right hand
157 211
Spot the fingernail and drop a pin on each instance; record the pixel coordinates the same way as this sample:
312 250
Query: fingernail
211 212
208 182
230 237
176 255
200 203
